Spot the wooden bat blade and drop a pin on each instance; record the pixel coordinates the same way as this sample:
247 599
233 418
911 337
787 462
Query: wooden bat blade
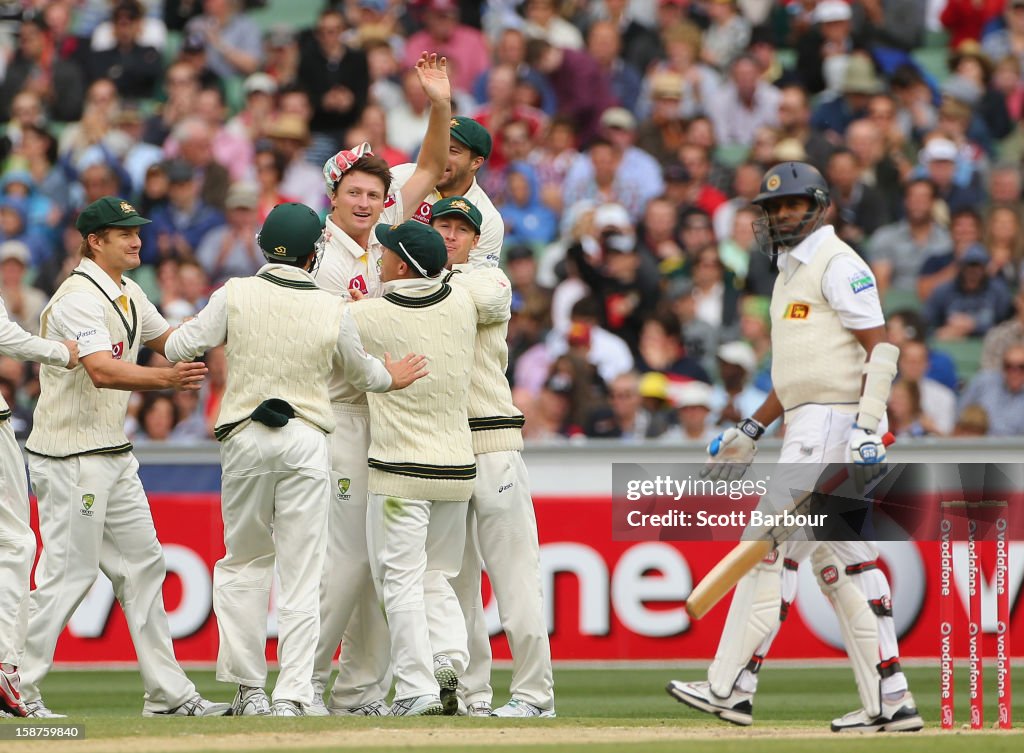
727 573
723 576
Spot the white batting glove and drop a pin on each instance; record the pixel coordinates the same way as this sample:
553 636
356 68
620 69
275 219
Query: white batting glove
867 455
732 451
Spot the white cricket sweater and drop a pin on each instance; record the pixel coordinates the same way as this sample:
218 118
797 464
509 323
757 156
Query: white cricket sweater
815 359
420 445
495 422
73 416
282 337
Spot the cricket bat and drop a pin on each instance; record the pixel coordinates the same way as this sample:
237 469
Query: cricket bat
737 563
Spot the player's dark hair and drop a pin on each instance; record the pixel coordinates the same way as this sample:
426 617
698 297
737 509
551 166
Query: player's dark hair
373 165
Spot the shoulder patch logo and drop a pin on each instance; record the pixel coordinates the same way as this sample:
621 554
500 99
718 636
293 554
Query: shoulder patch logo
797 311
861 281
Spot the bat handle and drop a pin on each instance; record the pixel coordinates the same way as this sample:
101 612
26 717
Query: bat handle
888 438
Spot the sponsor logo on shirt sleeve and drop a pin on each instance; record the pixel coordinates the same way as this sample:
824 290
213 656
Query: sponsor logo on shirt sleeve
861 281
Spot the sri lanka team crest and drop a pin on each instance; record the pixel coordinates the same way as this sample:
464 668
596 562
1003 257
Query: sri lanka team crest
797 311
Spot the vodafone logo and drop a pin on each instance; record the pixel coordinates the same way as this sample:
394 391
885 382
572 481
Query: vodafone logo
117 350
359 284
423 213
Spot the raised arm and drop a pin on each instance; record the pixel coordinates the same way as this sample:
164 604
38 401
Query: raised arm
433 75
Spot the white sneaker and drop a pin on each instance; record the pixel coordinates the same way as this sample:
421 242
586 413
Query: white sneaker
286 708
317 707
479 708
194 706
374 708
897 716
10 692
519 709
250 702
448 682
422 705
38 710
738 708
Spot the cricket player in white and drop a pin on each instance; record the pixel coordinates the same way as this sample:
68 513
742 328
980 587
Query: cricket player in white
273 423
470 147
93 511
831 374
421 461
359 186
17 541
501 522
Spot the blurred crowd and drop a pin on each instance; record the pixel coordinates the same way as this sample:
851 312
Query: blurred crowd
630 137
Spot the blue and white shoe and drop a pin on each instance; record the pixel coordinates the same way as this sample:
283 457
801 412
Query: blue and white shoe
519 709
738 708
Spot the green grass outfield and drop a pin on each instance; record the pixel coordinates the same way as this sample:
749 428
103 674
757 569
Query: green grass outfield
619 709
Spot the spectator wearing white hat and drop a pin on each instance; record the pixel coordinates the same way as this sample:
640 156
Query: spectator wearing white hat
251 121
734 396
693 402
231 250
939 159
822 53
24 302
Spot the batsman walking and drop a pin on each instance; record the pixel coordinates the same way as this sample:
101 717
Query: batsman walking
832 370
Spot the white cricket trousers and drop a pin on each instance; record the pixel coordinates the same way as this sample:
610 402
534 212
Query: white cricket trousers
274 496
817 434
506 534
17 548
349 611
418 547
94 515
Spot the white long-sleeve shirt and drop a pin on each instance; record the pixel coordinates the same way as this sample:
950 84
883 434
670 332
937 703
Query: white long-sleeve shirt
19 344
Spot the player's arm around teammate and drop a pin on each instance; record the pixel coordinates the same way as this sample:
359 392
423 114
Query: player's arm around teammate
17 542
